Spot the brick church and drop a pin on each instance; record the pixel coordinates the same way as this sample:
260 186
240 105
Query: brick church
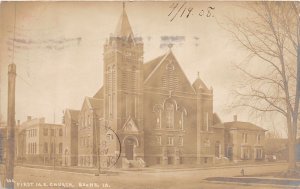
146 113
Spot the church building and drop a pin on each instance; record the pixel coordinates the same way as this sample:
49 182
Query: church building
147 113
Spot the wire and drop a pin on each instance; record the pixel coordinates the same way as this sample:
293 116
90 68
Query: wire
13 53
24 80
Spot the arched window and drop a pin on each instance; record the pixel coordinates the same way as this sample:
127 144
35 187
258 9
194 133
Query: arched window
110 105
60 148
109 87
157 109
181 120
169 115
113 85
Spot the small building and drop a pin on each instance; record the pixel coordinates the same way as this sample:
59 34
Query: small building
244 141
88 131
43 142
70 135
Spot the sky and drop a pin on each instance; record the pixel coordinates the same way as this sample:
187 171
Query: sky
59 53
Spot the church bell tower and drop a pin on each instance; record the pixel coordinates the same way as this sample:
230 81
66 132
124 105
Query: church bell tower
123 88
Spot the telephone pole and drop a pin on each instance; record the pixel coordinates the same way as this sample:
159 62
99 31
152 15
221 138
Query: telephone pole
10 144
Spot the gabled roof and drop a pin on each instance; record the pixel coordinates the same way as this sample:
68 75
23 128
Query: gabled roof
155 67
150 65
123 28
130 126
99 94
156 63
238 125
73 114
95 102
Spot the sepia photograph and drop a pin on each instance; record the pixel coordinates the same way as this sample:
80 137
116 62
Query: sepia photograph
149 94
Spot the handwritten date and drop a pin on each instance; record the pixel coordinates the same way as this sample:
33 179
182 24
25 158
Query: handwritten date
183 10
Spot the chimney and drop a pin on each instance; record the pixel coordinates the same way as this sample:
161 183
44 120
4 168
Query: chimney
28 118
235 118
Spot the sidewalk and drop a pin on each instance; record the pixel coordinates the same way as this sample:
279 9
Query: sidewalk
89 170
190 167
93 170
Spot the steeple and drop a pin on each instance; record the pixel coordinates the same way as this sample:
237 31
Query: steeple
123 28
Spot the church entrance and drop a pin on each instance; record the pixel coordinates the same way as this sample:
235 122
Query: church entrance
129 148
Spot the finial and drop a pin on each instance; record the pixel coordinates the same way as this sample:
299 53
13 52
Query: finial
170 45
123 5
198 74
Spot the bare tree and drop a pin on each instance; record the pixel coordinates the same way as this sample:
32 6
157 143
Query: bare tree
270 34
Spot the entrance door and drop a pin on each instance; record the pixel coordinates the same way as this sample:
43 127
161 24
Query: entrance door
129 144
170 160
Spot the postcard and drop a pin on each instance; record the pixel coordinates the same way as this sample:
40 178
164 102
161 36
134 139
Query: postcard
149 94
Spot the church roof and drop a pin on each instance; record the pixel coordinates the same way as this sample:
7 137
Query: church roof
150 65
123 28
96 104
99 93
153 65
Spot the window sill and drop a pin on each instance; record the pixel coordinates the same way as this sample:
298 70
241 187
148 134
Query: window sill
169 129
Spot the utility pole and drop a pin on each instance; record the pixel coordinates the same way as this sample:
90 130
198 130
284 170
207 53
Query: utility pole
10 142
10 145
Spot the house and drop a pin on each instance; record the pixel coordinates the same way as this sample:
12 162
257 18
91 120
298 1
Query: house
244 141
43 142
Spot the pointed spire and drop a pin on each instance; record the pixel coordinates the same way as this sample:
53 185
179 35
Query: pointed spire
198 83
123 28
170 45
